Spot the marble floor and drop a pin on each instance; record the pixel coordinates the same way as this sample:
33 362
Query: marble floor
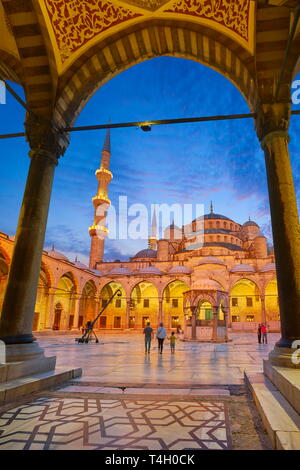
125 400
115 424
120 358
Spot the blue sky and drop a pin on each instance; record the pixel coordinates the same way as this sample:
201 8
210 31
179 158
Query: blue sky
191 163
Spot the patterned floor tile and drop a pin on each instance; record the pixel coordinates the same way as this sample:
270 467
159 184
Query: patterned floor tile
96 423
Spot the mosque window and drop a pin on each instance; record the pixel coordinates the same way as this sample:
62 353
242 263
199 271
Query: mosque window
146 303
174 303
118 303
104 303
117 322
249 318
234 302
249 302
235 318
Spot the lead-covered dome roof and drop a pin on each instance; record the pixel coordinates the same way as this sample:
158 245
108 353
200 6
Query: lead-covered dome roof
147 253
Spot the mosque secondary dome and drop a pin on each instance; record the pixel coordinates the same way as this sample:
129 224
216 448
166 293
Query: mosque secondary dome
57 255
242 268
120 271
268 267
149 270
250 223
146 253
211 260
207 284
180 270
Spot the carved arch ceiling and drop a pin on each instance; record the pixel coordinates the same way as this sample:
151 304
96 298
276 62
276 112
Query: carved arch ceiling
75 25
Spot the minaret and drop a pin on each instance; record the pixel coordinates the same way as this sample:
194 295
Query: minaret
153 238
211 207
98 231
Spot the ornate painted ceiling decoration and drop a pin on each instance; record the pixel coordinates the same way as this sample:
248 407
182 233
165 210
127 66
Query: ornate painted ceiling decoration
151 5
75 22
232 14
75 25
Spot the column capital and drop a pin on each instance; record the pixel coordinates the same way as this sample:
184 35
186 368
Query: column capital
272 121
45 139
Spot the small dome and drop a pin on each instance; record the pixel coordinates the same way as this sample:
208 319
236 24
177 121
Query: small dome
207 284
97 272
268 267
250 223
80 265
149 270
57 255
147 253
119 271
242 268
211 260
180 270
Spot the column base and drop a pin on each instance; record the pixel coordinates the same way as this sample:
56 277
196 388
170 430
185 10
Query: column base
26 360
285 357
19 339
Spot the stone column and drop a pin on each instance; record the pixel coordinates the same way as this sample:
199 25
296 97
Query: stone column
76 312
160 311
263 309
214 335
50 307
226 321
128 305
194 323
19 302
272 129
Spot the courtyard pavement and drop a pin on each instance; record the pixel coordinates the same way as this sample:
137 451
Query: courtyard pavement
194 399
119 358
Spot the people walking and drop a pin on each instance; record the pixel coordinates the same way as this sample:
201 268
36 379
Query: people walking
264 334
161 335
259 333
148 332
172 340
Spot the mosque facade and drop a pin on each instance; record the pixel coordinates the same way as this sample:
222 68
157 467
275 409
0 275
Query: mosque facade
212 252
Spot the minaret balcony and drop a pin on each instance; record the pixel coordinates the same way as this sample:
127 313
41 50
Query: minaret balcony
98 200
104 173
99 230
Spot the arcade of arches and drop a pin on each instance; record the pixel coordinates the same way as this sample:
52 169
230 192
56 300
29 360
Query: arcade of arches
50 48
70 294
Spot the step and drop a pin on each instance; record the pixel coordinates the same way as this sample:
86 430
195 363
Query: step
280 419
14 389
287 381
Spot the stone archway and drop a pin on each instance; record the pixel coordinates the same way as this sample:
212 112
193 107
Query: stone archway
171 31
245 303
144 305
114 316
87 303
172 304
65 296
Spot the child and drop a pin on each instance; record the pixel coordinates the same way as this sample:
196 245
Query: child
172 340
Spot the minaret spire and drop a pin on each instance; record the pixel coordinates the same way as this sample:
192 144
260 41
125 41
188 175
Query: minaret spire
153 238
98 231
211 207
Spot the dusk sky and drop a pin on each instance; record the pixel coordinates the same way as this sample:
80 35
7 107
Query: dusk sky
188 163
